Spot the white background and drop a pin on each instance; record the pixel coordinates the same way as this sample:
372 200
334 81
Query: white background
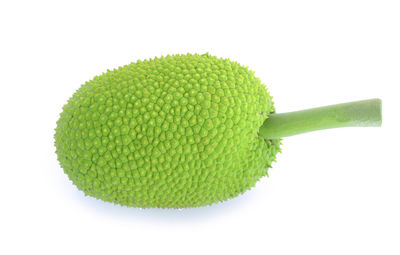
330 192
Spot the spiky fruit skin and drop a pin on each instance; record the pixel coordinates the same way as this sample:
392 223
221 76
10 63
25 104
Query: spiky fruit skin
171 132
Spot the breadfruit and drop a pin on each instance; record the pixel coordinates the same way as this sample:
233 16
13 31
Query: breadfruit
182 131
172 132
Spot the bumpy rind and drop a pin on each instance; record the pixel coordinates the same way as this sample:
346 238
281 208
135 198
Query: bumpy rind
171 132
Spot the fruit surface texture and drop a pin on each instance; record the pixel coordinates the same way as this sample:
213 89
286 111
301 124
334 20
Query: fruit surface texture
170 132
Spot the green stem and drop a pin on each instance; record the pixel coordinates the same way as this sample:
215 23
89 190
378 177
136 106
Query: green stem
366 113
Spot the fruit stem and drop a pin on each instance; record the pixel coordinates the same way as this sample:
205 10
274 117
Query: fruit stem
366 113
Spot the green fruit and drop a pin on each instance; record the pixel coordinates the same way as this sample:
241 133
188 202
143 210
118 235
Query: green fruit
182 131
172 132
